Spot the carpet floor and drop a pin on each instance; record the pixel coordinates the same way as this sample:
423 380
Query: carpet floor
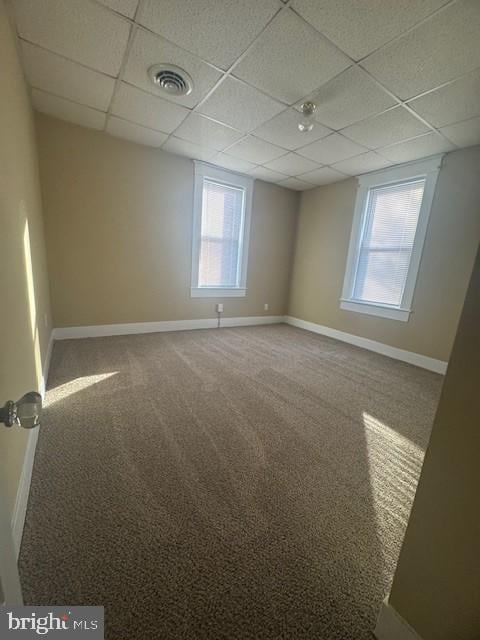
240 483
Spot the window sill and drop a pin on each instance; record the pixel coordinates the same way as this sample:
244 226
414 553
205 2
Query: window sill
213 292
371 309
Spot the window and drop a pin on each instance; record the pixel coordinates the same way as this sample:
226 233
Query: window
389 227
221 224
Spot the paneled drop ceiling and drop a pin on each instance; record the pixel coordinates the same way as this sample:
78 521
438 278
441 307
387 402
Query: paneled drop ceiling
394 80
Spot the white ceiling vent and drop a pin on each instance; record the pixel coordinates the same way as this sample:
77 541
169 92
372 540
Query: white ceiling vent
171 79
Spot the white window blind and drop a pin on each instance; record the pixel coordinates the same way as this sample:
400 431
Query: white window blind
221 235
387 241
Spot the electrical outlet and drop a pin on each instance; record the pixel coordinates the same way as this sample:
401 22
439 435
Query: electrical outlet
220 308
265 306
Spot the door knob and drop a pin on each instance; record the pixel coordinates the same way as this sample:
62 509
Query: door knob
25 412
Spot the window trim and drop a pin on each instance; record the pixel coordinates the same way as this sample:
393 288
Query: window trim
428 169
202 171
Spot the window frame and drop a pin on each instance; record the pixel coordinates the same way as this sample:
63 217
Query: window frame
203 171
427 169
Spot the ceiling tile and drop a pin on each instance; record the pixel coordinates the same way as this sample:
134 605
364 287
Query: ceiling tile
421 147
235 164
146 109
255 150
283 130
292 164
387 128
322 176
66 110
332 149
149 49
359 28
296 184
435 52
203 131
457 101
262 173
464 133
55 74
125 7
134 132
184 148
82 31
349 97
216 31
363 163
284 61
239 105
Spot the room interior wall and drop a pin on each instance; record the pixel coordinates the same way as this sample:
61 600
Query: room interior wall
25 324
324 226
119 233
436 587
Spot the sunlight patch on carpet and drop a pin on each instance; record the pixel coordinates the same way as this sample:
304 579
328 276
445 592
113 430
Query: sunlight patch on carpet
74 386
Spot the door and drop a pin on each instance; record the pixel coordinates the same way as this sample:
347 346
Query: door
14 415
10 590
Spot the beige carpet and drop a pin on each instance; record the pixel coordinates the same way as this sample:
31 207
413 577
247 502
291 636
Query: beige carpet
234 483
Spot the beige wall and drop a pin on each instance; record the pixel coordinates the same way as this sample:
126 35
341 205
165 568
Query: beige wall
119 233
436 587
25 315
453 234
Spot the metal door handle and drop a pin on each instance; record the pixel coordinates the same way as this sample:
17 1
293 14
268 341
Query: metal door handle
25 412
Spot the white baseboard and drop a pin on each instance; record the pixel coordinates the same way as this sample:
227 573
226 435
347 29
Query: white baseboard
23 491
94 331
251 321
438 366
391 626
21 501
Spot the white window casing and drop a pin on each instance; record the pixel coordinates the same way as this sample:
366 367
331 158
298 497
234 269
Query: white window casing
388 232
222 209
